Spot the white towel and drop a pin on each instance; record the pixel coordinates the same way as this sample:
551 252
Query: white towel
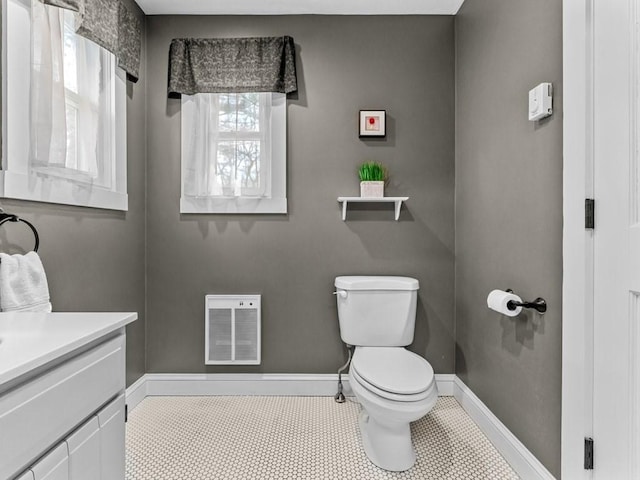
23 284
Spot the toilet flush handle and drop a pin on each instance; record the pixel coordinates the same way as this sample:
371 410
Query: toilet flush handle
341 293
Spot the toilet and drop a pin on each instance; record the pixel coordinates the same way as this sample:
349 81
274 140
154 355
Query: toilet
393 385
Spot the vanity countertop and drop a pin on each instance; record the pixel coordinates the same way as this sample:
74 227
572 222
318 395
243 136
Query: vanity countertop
29 340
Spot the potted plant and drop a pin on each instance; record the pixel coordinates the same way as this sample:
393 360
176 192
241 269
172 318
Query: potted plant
372 177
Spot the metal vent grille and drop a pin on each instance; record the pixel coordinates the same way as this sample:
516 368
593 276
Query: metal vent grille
232 329
220 334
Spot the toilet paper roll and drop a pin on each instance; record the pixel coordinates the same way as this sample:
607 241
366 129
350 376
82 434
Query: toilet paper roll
498 299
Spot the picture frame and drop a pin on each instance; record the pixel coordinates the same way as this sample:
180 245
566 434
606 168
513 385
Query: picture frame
373 123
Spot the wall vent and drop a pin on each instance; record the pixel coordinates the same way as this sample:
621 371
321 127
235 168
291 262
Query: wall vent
232 330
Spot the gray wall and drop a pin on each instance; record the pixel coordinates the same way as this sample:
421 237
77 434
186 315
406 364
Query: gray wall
509 214
402 64
95 259
508 197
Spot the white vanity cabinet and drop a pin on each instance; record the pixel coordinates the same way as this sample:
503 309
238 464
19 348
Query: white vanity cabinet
63 418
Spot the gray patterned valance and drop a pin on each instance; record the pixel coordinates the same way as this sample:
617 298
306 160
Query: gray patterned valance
110 24
129 42
219 65
74 5
100 23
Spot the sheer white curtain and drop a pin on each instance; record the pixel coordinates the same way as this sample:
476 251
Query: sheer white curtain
88 104
68 94
226 145
48 110
201 180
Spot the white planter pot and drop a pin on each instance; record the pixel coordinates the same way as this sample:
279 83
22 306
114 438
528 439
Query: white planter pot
372 189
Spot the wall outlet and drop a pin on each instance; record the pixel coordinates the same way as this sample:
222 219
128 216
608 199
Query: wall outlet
540 102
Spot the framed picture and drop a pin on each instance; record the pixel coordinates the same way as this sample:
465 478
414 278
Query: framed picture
373 123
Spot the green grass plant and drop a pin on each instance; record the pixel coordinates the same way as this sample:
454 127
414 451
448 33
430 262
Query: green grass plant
372 172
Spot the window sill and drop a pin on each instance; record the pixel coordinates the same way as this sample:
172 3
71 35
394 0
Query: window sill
53 190
232 205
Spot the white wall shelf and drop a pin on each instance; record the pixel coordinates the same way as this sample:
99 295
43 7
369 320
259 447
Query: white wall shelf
395 200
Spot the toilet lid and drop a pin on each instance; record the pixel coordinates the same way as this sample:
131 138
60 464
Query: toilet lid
393 369
397 397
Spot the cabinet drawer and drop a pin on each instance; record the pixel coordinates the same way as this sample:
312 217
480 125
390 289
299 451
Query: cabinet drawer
42 411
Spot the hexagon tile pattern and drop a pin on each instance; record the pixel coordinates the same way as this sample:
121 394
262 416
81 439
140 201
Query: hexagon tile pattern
293 438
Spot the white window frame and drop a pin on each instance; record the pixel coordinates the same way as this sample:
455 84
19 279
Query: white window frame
17 179
276 202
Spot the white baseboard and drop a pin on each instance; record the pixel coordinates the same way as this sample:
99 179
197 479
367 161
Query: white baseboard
136 392
293 384
525 464
445 384
245 384
158 384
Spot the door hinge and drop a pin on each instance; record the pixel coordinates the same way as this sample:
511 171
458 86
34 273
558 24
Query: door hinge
589 213
588 453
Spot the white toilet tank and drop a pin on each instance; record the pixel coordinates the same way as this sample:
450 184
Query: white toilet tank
376 311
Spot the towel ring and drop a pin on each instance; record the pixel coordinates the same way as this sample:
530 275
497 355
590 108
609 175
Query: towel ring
9 217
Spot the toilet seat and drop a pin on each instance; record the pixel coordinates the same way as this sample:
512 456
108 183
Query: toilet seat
393 373
395 397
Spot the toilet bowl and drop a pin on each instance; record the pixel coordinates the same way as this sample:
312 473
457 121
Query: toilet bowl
394 387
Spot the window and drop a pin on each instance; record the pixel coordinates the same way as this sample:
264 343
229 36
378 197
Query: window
234 153
85 116
64 110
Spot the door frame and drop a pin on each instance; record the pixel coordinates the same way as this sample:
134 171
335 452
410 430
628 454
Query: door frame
578 251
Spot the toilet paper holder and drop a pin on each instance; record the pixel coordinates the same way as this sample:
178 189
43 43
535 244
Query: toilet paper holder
539 304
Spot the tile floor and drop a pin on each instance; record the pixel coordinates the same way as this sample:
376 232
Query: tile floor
244 438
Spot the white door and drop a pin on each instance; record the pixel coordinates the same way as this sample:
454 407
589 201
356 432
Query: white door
616 240
53 466
112 440
83 447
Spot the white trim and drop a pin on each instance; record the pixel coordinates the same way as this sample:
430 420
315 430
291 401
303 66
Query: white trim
159 384
37 189
136 392
445 382
577 283
300 7
232 205
525 464
286 384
